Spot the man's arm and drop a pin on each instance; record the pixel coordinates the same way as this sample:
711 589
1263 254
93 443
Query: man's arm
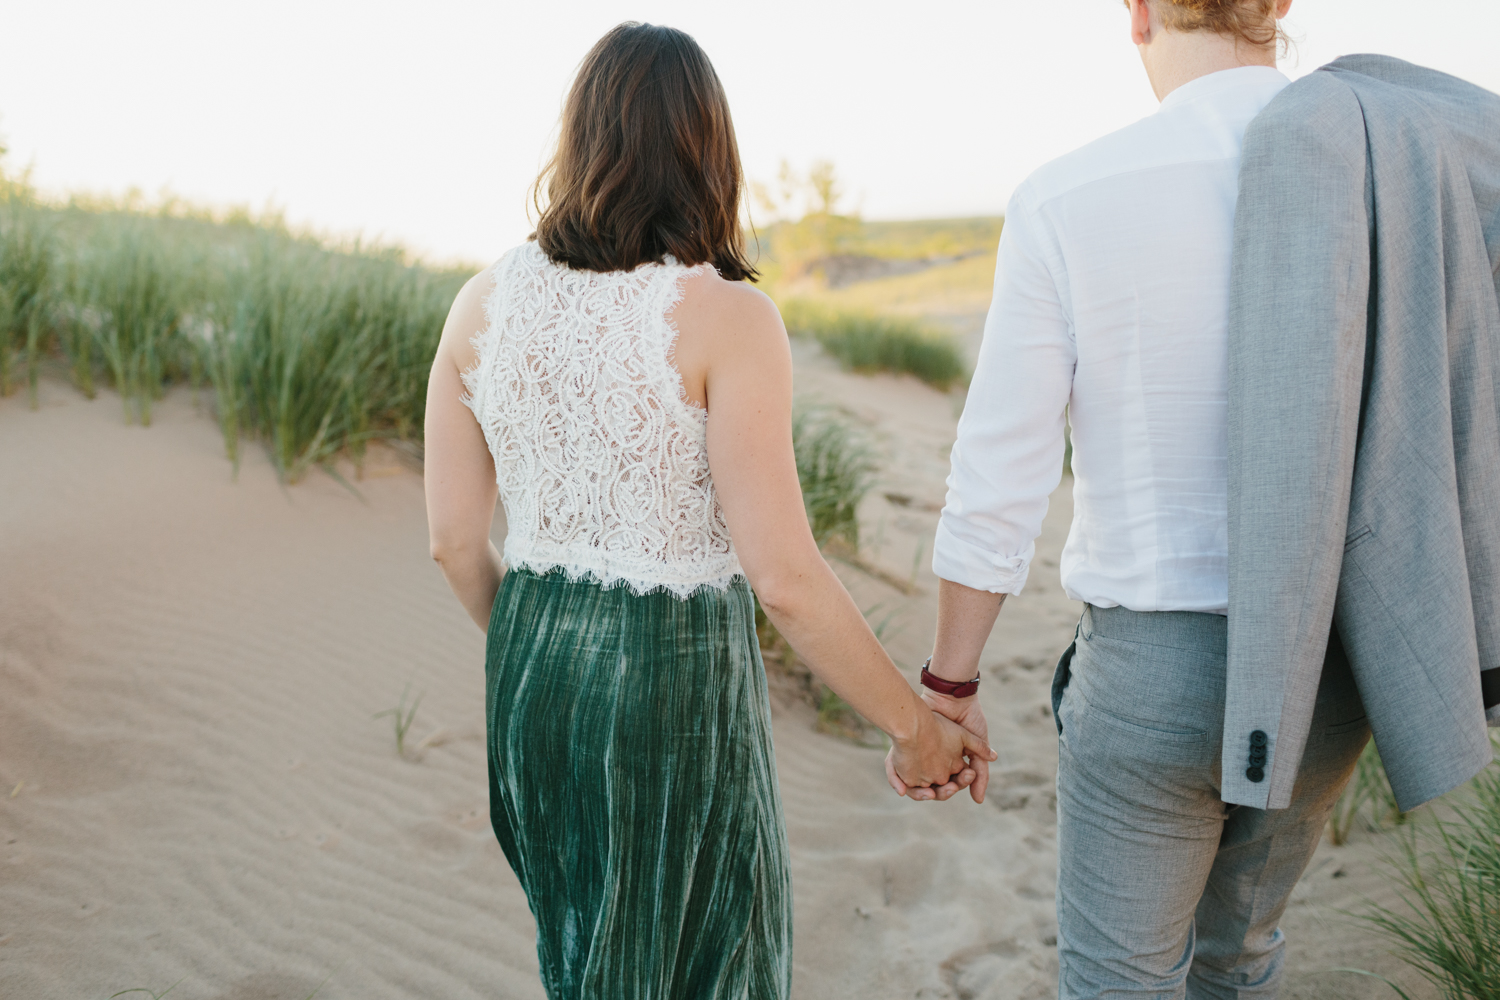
1008 456
1006 462
965 618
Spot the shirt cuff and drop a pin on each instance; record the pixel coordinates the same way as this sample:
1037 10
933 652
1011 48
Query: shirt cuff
978 567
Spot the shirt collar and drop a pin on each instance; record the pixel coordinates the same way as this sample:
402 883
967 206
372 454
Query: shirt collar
1223 81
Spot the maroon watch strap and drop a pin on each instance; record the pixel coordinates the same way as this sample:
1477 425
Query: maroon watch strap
953 689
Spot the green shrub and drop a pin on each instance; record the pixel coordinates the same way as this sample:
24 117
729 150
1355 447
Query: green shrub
866 342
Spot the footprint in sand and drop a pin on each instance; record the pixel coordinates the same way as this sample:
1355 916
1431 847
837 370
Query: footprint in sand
475 818
1001 970
1009 799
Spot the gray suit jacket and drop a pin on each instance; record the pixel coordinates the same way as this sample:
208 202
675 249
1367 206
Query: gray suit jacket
1364 422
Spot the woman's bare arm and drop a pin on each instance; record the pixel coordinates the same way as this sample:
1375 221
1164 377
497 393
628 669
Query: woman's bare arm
734 355
459 473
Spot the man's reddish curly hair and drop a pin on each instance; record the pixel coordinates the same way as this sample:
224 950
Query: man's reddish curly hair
1253 21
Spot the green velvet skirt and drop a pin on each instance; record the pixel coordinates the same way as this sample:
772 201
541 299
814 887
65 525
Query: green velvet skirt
633 789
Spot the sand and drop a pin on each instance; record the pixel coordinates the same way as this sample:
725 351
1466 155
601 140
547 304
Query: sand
193 787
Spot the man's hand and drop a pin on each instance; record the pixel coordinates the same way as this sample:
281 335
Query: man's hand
967 713
936 760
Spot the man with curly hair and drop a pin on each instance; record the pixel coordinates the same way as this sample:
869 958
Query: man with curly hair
1111 313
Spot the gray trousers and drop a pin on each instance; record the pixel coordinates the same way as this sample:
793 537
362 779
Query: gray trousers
1163 891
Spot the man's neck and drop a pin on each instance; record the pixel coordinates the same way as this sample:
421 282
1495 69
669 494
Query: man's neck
1176 57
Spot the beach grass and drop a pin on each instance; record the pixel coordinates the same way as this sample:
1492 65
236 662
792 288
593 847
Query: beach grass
312 349
1446 924
316 353
401 718
151 993
835 466
131 289
872 342
28 290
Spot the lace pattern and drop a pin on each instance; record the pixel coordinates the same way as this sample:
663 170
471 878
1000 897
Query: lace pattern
600 457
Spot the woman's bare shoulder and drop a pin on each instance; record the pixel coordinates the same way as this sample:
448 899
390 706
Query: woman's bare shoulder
467 318
727 311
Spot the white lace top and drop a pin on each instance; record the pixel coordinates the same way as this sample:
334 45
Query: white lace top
601 459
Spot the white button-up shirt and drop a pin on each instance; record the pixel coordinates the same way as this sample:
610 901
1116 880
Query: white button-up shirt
1111 305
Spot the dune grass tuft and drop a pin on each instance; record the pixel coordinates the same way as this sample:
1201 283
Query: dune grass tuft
317 353
1367 795
28 290
133 290
401 718
868 342
151 993
1447 924
835 467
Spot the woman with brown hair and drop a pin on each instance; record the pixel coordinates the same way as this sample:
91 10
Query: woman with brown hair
628 396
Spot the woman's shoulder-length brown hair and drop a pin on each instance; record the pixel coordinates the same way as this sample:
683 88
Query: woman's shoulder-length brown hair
646 163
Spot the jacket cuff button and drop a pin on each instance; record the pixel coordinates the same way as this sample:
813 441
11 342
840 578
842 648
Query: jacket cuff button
1255 774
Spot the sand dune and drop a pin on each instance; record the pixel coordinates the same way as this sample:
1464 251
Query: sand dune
193 786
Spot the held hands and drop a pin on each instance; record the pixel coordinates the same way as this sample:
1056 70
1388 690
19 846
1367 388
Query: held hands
940 759
967 713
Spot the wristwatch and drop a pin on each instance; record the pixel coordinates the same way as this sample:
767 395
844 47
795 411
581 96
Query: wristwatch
953 689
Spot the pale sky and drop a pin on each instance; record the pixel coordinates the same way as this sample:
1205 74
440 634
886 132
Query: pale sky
425 123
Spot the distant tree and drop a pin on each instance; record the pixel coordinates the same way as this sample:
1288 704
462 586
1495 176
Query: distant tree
806 225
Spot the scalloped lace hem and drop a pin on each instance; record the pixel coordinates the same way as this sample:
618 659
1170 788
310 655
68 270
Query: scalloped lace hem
639 586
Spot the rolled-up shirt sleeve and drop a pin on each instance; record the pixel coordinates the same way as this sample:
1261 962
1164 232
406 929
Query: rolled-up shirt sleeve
1009 454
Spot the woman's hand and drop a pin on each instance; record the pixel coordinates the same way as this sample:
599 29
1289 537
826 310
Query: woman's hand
967 713
937 761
